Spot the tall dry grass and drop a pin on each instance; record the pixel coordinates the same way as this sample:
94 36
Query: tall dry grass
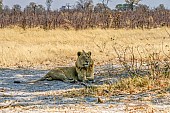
36 47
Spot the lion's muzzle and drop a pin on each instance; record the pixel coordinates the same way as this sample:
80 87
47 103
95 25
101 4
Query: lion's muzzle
86 64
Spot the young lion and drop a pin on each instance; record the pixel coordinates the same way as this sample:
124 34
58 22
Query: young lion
82 71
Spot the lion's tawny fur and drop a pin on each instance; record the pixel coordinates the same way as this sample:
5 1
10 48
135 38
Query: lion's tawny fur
82 71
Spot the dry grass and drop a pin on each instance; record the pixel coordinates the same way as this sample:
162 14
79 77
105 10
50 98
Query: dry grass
36 47
125 86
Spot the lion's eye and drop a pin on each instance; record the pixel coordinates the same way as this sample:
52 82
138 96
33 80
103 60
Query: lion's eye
87 56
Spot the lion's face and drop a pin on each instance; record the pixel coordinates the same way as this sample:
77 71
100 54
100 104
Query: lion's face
84 59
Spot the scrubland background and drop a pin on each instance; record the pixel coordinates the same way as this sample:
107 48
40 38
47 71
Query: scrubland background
130 47
49 48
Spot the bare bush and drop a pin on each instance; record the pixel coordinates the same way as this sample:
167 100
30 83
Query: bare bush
134 64
84 15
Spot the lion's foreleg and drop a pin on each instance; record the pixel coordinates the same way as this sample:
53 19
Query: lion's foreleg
82 77
90 74
90 78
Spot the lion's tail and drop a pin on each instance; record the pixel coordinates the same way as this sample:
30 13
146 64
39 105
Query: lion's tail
34 81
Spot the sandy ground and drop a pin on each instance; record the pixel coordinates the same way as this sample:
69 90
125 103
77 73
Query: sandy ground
46 96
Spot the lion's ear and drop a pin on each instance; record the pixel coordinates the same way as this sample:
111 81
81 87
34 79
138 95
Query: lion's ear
89 53
78 53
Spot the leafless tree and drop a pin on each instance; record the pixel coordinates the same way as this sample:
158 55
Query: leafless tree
132 2
48 3
84 5
1 5
84 15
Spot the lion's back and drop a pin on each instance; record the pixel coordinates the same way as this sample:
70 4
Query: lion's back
70 72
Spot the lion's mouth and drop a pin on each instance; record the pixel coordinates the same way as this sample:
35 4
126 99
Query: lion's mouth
86 64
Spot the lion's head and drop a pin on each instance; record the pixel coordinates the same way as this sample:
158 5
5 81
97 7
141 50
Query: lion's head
85 66
84 59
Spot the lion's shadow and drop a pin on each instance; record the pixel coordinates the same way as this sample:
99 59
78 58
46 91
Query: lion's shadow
29 94
8 76
41 92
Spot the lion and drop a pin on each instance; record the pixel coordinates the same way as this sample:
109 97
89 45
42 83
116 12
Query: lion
83 70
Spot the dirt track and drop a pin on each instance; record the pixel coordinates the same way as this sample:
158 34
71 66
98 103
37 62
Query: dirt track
46 96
